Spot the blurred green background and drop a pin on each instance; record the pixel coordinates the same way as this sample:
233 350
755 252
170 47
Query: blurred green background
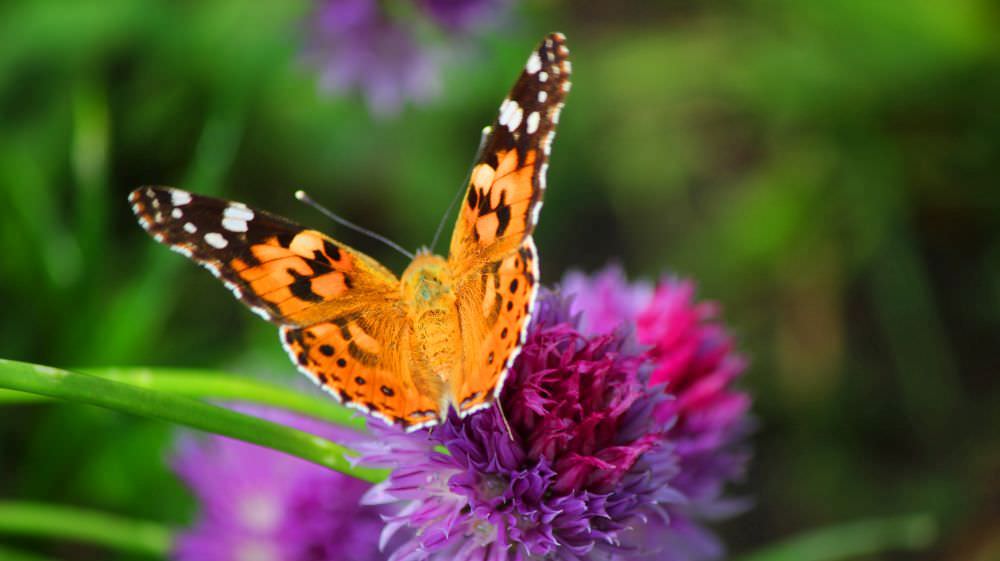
825 170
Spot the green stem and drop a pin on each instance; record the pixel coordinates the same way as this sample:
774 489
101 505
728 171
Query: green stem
50 521
62 384
206 384
854 539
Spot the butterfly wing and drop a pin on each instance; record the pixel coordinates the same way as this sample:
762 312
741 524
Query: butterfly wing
492 253
339 310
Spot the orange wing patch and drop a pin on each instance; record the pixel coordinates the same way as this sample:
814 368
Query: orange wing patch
291 279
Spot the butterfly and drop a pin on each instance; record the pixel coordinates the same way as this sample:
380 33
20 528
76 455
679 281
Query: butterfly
404 350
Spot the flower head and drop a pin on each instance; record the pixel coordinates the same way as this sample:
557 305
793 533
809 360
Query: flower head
584 461
692 358
261 505
605 301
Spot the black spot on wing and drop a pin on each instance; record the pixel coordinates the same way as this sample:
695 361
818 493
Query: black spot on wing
503 219
302 286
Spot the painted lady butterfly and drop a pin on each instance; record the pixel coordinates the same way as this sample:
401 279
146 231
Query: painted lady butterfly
403 350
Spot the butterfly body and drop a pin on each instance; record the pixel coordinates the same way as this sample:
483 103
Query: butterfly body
406 349
433 314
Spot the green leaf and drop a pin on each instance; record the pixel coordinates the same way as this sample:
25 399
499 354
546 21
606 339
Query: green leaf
126 398
51 521
854 539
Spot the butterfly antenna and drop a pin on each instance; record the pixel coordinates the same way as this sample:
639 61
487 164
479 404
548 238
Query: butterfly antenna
302 196
462 188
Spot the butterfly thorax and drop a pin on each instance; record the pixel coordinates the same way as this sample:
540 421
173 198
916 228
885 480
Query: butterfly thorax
427 290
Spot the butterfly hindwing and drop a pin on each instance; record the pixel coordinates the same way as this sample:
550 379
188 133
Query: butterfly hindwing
492 254
361 358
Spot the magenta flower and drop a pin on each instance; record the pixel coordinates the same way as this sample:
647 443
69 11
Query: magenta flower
692 356
261 505
605 301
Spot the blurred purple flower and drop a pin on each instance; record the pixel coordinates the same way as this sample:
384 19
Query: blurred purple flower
587 462
260 505
358 46
463 15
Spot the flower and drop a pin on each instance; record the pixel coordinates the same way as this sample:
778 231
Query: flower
605 301
584 462
358 47
260 505
463 15
692 356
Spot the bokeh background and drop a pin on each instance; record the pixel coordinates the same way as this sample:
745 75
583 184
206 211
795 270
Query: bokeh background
827 171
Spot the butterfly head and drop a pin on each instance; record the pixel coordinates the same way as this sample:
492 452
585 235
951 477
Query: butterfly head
427 281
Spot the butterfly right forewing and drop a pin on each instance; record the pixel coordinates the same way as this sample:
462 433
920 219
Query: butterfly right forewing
492 253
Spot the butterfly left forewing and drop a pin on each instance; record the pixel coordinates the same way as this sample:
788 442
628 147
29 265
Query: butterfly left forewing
340 312
288 274
492 254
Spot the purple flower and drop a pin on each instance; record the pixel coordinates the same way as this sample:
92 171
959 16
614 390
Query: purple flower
358 47
605 301
261 505
692 356
588 462
463 15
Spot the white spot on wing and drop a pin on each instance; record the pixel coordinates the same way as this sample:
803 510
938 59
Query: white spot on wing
542 96
534 63
535 211
238 211
507 109
234 225
182 249
533 120
190 228
543 76
216 240
176 213
515 119
180 198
